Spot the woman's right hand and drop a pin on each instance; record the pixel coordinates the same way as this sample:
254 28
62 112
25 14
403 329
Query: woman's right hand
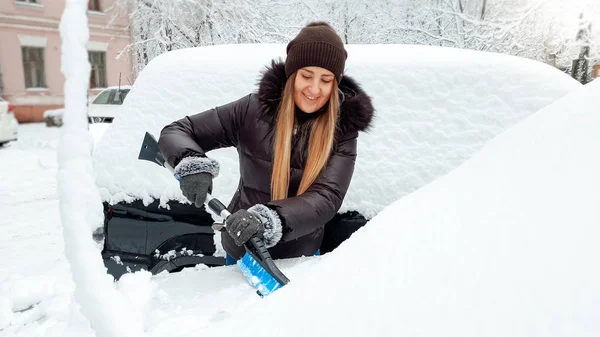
196 186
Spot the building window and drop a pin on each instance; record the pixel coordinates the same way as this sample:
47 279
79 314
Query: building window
33 66
98 63
30 1
94 5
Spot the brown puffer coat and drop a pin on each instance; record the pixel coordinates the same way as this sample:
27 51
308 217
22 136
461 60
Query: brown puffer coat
248 125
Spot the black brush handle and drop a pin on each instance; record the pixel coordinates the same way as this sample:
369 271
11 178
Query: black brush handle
257 249
215 205
255 246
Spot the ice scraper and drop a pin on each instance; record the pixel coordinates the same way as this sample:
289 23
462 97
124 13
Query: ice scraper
256 265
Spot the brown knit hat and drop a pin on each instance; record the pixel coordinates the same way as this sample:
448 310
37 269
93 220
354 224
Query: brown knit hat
318 45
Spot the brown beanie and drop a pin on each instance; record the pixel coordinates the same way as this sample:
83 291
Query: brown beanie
318 45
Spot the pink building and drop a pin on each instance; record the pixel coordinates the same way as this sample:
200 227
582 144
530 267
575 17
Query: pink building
30 53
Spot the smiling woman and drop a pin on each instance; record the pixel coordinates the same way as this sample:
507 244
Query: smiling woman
312 88
297 143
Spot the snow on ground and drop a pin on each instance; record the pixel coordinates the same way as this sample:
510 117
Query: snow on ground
435 108
28 184
35 280
33 267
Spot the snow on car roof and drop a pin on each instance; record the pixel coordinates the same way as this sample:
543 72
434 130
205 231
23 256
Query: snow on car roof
435 107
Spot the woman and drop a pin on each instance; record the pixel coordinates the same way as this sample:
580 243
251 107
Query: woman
296 140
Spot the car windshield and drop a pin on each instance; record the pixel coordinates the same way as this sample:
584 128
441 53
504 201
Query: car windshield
113 97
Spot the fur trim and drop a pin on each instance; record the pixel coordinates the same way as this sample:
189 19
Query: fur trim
356 109
193 165
270 221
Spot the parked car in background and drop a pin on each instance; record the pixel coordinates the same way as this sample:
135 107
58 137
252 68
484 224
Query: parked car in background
107 104
9 127
101 109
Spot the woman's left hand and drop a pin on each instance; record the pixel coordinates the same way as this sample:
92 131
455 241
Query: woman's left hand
242 225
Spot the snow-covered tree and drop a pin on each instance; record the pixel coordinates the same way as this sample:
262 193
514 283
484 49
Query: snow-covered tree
160 26
534 29
574 33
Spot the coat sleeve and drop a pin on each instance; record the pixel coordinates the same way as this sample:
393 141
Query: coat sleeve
305 213
193 136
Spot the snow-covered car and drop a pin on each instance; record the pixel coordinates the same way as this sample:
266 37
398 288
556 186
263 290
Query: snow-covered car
435 108
9 127
107 104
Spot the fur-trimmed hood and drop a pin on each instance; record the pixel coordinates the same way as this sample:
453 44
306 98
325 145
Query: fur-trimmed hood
356 109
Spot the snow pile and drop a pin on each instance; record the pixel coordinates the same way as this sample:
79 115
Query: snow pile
80 204
505 245
54 117
435 108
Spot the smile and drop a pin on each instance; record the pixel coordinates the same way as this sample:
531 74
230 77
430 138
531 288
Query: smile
312 98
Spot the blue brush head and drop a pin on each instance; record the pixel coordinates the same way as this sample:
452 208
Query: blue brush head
257 276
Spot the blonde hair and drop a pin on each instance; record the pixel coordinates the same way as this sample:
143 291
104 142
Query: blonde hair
320 142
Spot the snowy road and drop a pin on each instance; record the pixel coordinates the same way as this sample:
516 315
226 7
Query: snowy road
33 267
29 204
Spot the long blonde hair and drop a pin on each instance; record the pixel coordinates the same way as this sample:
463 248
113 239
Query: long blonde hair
321 140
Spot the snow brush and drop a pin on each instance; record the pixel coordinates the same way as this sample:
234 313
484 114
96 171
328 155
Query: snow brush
257 266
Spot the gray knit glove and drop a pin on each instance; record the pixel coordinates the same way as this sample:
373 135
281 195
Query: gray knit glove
259 221
242 225
195 176
195 187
